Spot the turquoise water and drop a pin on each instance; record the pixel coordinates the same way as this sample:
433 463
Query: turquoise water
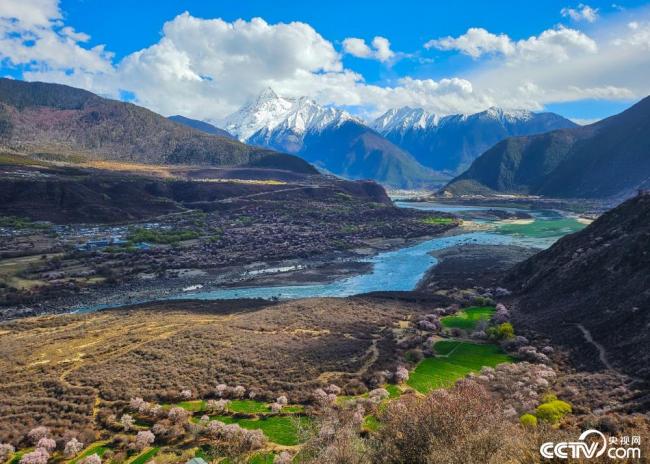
402 269
393 270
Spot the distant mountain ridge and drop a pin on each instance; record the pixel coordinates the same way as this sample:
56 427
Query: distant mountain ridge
200 125
330 138
58 120
608 159
450 143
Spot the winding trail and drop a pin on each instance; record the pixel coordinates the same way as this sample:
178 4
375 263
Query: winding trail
602 354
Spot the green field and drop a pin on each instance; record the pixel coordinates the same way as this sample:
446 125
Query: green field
146 456
262 458
282 430
468 318
293 408
193 406
463 358
543 229
99 449
393 391
248 406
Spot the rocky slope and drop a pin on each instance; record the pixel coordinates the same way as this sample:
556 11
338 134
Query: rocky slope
331 138
58 121
451 143
591 290
603 160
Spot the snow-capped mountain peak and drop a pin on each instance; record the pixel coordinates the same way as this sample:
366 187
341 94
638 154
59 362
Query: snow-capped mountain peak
510 115
401 119
270 112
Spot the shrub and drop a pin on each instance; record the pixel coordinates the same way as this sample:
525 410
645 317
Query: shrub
401 374
414 356
528 420
547 398
461 425
553 411
503 331
161 236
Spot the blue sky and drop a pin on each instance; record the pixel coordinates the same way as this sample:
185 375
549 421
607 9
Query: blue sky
448 57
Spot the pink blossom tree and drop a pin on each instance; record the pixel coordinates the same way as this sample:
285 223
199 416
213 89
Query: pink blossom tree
38 456
92 459
72 447
178 415
221 389
283 458
137 404
5 451
37 433
127 421
143 439
47 444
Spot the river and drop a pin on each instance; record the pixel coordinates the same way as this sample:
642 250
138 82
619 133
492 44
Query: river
402 269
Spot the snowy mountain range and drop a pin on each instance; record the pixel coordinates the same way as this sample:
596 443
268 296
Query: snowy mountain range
450 143
332 139
405 147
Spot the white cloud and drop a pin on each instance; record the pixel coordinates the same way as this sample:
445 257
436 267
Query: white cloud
207 68
357 47
475 42
557 45
639 36
30 12
581 13
380 48
32 34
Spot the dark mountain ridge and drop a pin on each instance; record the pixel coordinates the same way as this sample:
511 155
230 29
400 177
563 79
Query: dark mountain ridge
44 118
200 125
355 151
596 280
610 158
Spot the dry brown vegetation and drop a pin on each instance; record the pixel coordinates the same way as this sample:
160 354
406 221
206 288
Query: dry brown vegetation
56 368
464 425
